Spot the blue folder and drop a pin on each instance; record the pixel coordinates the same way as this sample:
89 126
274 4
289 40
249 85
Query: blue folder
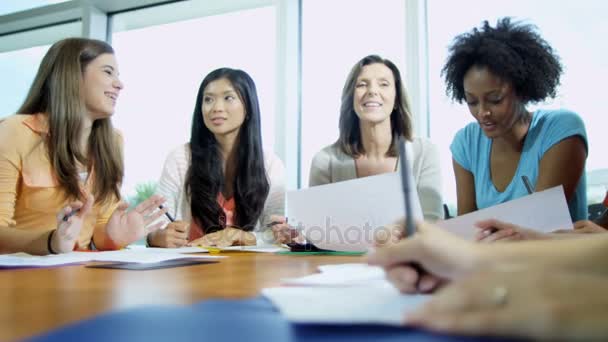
248 320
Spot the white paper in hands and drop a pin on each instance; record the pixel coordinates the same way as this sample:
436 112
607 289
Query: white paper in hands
344 216
543 211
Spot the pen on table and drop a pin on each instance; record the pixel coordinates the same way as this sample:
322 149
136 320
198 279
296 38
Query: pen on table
167 213
527 184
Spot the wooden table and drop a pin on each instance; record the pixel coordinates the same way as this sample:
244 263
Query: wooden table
34 301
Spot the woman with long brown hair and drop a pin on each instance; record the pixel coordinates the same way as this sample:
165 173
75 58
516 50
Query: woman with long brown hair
61 160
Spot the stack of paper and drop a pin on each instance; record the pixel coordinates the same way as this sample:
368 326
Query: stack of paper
343 294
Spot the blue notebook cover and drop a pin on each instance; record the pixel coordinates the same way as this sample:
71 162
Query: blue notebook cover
247 320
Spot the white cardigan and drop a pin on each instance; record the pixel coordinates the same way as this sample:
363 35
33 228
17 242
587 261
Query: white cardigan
331 165
172 180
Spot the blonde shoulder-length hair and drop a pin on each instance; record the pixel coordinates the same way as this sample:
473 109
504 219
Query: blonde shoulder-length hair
57 90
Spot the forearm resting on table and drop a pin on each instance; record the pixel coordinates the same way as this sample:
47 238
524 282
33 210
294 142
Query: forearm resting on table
14 240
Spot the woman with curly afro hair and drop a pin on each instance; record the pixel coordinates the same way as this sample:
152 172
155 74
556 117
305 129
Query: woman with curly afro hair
498 71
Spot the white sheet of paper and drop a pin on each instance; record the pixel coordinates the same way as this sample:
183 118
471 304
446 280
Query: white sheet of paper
543 211
143 257
27 260
340 275
344 216
180 250
379 303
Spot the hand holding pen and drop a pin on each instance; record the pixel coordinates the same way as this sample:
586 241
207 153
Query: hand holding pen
174 235
440 254
282 231
69 224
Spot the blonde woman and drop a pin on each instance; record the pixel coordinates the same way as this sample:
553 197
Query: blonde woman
374 114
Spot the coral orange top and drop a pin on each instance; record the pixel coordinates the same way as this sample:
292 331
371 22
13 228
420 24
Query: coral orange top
30 197
227 205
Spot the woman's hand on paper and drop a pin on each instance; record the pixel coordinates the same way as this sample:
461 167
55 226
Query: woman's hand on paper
283 232
584 227
498 231
175 235
226 237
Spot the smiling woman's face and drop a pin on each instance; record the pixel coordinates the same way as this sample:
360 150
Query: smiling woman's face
375 92
101 86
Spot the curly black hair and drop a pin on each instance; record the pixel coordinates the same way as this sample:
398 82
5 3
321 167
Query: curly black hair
512 51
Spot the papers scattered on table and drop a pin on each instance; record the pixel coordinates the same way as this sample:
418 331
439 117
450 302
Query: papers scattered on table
180 250
376 304
254 249
341 275
197 249
345 216
141 257
543 211
27 260
136 256
337 296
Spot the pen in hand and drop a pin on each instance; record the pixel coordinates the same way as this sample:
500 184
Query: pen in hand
171 218
70 214
410 226
274 223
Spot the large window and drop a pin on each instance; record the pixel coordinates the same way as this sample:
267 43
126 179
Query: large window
20 68
10 6
576 30
335 35
19 65
162 67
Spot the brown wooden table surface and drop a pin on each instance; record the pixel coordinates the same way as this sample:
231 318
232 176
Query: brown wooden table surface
35 301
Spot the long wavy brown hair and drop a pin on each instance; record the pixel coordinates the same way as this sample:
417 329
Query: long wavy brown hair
57 91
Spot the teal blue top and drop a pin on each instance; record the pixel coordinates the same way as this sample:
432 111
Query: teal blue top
471 150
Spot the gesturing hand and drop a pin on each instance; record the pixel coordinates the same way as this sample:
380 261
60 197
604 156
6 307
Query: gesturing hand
125 227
